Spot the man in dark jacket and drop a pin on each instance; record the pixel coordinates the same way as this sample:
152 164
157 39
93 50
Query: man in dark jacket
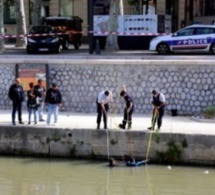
53 101
16 94
128 110
40 90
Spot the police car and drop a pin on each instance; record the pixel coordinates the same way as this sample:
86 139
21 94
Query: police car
194 38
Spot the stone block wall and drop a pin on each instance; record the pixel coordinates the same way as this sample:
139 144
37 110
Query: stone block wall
88 143
7 76
188 86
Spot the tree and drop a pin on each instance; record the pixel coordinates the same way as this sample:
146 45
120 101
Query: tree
115 11
20 21
1 25
136 5
36 16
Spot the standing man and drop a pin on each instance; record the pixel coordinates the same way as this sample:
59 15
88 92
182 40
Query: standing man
103 100
158 101
128 111
32 103
41 93
16 95
53 101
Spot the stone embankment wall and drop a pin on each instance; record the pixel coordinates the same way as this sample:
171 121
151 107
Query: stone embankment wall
189 86
86 143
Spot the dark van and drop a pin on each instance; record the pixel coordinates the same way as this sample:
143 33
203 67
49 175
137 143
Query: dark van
70 27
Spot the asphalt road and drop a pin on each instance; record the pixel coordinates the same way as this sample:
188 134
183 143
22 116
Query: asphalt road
12 51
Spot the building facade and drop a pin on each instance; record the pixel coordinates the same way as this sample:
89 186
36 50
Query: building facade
183 12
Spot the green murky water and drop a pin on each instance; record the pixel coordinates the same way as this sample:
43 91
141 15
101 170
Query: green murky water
30 176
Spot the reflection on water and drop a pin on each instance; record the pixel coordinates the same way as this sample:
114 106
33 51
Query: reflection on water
29 176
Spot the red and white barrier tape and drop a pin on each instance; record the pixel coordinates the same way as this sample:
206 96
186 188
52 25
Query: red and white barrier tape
129 33
33 35
96 33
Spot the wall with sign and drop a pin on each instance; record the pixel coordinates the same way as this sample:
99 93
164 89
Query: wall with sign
31 73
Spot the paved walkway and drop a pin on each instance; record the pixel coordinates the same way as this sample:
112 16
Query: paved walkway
88 121
171 124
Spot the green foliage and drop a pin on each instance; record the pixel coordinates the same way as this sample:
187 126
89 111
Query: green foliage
114 142
9 3
209 112
73 151
93 156
173 152
184 143
55 137
133 2
157 137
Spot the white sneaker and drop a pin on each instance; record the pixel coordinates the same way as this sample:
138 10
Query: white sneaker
54 124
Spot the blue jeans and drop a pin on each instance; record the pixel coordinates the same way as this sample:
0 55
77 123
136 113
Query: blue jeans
30 112
52 109
40 110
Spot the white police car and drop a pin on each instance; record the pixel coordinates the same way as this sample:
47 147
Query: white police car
194 38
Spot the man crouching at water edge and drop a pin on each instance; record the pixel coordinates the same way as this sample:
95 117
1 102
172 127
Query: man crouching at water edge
53 101
103 100
158 101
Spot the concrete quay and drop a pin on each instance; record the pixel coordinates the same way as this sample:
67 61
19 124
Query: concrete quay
71 120
75 136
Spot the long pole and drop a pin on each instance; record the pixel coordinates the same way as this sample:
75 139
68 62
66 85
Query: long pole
108 150
90 25
1 26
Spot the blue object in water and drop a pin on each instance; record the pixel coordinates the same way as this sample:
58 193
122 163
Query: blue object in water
136 164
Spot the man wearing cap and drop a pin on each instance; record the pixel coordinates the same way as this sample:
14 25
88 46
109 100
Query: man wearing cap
103 100
16 95
40 91
158 101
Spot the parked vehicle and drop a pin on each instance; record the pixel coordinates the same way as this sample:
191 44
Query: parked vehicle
70 27
194 38
43 39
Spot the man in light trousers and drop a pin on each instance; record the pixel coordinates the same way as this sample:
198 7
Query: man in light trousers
53 101
41 91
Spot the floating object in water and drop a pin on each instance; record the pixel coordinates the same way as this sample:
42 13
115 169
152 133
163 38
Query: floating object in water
136 164
169 167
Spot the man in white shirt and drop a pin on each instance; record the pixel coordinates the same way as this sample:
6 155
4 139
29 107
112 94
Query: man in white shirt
103 100
158 101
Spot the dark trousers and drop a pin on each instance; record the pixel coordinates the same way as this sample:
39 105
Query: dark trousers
17 106
101 113
128 116
160 117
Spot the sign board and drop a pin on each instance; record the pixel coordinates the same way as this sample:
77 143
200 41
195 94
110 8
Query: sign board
140 24
31 73
131 24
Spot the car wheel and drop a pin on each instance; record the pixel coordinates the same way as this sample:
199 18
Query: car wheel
163 48
212 48
65 44
77 44
28 51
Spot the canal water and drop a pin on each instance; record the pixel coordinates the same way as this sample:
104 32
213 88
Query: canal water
32 176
